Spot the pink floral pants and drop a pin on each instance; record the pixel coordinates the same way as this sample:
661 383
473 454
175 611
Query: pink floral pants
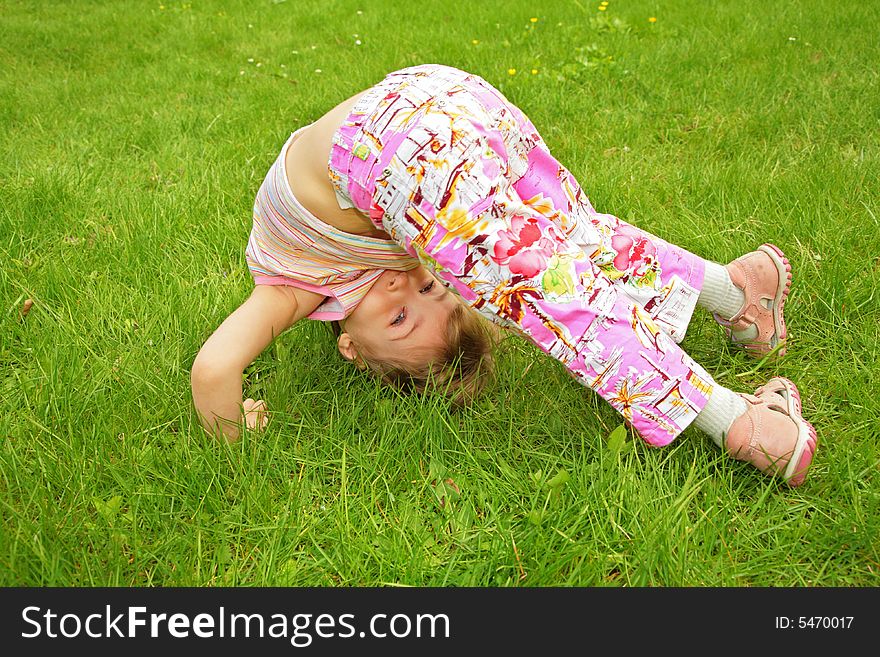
460 178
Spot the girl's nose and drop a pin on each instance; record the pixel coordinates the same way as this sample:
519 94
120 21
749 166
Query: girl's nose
397 281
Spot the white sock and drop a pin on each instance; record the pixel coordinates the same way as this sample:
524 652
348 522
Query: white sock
723 407
719 294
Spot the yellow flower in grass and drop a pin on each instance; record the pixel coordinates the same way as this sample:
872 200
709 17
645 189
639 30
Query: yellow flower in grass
653 19
533 20
602 7
511 71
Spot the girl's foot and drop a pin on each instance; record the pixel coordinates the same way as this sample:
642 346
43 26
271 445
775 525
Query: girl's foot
764 276
772 434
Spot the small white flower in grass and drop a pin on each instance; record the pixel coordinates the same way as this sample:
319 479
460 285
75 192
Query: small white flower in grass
250 60
792 38
357 42
259 63
241 72
317 70
360 13
250 26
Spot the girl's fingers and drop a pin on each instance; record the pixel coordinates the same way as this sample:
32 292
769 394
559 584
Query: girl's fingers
255 413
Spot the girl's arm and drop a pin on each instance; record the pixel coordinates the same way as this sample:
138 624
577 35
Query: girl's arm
216 372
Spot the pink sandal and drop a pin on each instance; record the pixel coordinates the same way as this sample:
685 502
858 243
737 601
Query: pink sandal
764 276
774 413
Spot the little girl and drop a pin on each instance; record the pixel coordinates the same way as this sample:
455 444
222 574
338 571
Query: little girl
442 199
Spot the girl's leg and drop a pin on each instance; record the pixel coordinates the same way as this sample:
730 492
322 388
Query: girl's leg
663 278
443 186
746 297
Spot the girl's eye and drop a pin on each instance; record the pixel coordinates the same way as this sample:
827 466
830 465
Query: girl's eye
399 318
427 288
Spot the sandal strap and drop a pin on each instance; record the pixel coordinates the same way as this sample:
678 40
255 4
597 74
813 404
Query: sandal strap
752 313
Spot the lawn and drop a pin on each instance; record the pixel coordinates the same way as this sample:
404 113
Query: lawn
135 137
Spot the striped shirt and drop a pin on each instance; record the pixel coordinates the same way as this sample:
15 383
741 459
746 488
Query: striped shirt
290 246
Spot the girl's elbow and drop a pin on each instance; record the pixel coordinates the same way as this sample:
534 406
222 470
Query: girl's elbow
207 369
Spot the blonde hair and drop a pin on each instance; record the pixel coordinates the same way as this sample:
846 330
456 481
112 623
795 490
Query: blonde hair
462 369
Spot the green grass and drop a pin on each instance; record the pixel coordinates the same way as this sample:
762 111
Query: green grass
134 140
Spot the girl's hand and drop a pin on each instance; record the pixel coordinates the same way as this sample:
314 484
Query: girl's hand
255 414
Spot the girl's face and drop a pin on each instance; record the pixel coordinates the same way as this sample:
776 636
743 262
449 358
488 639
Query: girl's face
402 318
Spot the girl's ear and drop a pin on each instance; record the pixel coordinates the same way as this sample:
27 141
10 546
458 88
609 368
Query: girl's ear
347 348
